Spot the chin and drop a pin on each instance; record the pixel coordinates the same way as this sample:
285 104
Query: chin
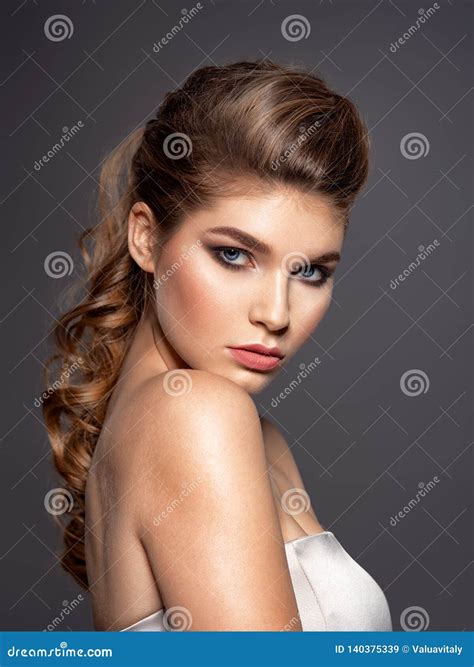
252 381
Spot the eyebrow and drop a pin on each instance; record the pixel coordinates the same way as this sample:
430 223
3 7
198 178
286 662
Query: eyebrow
262 247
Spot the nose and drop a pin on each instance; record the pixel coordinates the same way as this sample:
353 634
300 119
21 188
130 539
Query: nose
270 304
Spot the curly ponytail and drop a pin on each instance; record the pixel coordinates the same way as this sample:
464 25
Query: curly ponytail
226 129
91 341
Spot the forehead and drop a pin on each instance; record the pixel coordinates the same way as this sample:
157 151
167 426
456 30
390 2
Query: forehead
279 218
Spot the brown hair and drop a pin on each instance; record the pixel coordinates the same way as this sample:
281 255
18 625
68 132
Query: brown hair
257 122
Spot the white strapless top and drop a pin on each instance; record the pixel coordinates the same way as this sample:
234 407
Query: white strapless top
332 591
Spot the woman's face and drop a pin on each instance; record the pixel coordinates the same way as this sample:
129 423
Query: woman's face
251 270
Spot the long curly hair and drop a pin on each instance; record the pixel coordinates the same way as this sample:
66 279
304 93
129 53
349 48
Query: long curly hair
257 122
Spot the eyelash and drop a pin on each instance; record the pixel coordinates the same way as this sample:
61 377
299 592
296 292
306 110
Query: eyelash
216 250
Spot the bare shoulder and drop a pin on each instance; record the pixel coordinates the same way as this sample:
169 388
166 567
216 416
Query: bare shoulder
193 423
174 410
194 387
204 508
182 399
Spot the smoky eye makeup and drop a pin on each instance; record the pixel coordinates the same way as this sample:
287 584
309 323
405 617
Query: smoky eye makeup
234 258
230 256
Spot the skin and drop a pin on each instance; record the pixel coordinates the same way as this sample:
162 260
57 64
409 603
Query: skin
263 302
154 441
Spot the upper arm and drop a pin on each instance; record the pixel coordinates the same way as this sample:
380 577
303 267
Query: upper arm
207 518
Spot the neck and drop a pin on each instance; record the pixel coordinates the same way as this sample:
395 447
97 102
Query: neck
150 352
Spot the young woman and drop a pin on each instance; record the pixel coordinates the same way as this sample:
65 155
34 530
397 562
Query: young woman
222 222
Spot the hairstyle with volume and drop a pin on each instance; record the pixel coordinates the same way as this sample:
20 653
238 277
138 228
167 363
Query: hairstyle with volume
225 129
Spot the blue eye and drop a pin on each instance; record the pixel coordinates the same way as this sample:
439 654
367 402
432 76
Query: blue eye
236 258
312 274
310 268
309 272
231 254
228 256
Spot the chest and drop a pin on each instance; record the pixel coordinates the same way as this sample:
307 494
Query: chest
293 506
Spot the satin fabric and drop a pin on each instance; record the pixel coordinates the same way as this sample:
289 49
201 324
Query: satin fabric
333 592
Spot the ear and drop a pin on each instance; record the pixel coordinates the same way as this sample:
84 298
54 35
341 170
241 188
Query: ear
141 236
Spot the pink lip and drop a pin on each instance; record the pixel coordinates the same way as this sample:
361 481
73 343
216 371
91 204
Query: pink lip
262 349
255 360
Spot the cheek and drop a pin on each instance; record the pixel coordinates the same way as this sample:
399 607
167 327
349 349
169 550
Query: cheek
194 297
308 316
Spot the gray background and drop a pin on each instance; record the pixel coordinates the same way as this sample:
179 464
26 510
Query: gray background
364 446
